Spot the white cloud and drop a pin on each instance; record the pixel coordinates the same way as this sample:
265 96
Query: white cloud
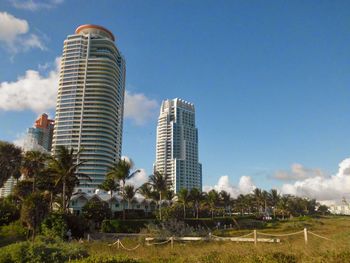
36 92
298 172
139 108
34 5
323 188
30 92
14 34
245 186
138 179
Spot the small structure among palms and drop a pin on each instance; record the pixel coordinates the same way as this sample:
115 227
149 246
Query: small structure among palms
121 172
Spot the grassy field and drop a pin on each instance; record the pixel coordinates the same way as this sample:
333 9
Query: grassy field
291 249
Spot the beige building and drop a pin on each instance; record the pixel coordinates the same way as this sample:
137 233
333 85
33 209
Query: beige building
90 102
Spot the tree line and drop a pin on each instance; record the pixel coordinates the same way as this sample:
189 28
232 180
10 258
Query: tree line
47 184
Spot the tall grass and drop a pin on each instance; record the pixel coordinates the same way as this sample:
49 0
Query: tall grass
291 249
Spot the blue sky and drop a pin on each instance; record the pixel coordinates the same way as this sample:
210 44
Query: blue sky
269 79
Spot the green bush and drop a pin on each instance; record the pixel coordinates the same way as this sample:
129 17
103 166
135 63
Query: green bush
113 259
78 225
15 229
54 226
43 252
8 211
209 223
120 226
12 233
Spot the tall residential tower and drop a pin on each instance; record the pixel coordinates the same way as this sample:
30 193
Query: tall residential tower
177 145
90 101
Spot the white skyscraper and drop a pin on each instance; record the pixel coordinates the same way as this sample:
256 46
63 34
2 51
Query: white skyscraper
90 101
177 145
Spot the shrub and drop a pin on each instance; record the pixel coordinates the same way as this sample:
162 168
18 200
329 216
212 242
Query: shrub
15 229
77 224
12 233
50 252
54 226
115 259
8 211
121 226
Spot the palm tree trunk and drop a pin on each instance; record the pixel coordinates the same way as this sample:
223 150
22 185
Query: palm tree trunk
123 200
197 208
64 196
160 205
184 211
51 198
33 184
110 204
212 214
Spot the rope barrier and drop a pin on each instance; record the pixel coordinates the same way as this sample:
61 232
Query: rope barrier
320 236
251 233
128 249
280 235
120 244
159 243
115 243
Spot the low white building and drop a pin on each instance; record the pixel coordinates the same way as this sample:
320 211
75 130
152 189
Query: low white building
343 209
79 200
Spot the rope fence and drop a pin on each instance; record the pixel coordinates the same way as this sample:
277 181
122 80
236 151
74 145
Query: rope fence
242 238
326 238
280 235
120 245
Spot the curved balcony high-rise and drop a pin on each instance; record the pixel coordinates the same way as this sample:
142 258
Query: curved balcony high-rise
90 101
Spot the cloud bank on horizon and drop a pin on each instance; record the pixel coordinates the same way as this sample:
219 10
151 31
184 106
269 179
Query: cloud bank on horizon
28 91
327 189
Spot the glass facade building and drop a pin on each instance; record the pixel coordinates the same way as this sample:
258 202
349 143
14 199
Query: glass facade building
177 145
90 102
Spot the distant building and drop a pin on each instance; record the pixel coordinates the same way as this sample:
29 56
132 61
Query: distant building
38 138
116 202
343 209
177 145
90 102
40 134
7 189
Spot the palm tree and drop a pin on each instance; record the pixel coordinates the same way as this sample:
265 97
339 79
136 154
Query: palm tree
121 171
196 197
158 183
110 185
129 194
10 161
183 198
265 198
213 199
274 199
258 198
63 166
283 205
33 164
146 191
241 203
226 198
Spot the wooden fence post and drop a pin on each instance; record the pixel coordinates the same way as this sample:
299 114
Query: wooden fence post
118 243
172 242
305 235
255 237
